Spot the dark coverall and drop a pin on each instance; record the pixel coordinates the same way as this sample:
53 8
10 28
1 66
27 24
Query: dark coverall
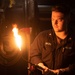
55 56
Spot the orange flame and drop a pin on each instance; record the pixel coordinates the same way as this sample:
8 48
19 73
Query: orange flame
18 38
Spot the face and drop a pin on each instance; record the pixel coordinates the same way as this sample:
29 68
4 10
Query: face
59 22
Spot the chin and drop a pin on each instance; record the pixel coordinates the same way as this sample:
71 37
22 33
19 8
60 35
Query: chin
58 30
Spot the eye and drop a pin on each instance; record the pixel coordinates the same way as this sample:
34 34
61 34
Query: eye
59 20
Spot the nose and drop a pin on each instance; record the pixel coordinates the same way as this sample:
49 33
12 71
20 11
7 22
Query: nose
56 22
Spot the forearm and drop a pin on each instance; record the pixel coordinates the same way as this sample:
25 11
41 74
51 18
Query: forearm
35 60
63 71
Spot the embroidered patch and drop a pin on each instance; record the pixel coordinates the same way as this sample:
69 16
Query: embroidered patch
48 43
68 47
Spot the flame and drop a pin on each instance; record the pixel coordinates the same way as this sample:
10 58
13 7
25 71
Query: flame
18 38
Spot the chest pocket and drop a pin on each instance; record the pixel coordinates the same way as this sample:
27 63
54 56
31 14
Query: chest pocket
47 49
67 50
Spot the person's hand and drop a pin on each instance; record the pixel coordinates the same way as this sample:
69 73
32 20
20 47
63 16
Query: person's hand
46 70
43 67
55 72
59 71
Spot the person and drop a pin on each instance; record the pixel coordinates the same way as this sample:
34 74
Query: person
54 49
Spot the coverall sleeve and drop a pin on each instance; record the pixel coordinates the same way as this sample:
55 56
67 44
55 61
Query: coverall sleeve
35 50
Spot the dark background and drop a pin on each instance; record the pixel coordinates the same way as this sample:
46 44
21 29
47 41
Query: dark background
27 13
30 13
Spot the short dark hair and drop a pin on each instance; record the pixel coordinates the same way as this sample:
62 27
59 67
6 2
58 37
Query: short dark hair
61 8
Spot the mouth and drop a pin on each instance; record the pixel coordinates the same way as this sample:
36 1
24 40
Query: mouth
55 26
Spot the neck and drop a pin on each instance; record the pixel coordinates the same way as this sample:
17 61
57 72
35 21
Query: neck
62 34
